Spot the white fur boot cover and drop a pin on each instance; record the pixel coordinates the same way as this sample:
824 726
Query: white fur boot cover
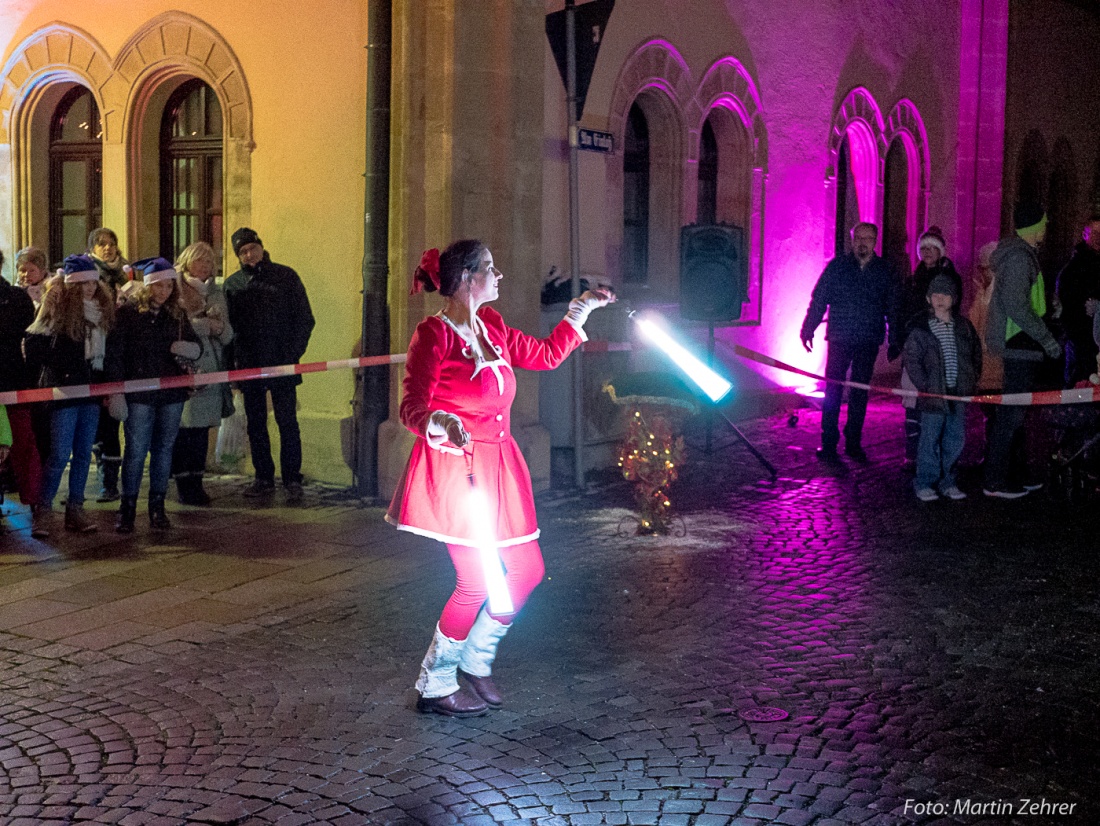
438 676
481 646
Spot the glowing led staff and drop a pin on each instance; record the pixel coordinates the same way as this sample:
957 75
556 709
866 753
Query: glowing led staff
500 601
716 387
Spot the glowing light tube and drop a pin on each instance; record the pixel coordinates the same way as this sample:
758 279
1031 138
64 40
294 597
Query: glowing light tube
500 601
709 382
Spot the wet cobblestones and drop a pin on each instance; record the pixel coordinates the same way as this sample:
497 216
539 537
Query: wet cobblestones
256 666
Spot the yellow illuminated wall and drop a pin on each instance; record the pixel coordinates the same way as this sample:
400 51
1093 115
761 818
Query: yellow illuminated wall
291 80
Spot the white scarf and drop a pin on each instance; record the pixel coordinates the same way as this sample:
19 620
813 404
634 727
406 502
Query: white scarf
199 286
95 343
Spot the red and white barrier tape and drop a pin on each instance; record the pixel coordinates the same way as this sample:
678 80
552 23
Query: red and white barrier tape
1072 396
83 391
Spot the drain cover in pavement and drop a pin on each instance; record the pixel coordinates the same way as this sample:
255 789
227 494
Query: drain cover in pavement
762 714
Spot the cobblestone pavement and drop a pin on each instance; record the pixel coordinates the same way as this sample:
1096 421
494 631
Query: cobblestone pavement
937 663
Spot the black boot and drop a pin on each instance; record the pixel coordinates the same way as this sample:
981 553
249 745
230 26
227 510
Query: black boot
191 491
108 472
127 513
158 519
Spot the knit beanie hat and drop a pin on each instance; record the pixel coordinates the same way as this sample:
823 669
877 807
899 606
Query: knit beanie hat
155 269
77 269
1027 215
944 286
933 237
244 235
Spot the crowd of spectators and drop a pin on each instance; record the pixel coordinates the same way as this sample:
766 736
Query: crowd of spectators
99 318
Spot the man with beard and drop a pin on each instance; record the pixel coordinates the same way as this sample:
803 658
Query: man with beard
860 292
272 321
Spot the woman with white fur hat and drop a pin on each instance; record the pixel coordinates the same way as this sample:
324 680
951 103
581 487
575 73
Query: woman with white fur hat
66 344
152 338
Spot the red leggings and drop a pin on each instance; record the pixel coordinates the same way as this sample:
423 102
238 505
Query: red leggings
523 571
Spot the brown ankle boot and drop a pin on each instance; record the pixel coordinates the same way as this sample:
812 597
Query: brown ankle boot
77 520
459 704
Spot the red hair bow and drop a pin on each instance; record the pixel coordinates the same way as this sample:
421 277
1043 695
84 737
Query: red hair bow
429 265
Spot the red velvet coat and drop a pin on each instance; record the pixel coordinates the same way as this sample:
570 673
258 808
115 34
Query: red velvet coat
433 497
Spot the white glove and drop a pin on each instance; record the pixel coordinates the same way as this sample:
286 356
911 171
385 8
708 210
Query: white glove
585 303
116 406
443 427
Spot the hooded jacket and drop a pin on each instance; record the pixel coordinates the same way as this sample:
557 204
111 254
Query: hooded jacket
1016 268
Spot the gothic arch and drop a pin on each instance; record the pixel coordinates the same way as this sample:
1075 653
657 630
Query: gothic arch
858 119
727 88
657 78
906 125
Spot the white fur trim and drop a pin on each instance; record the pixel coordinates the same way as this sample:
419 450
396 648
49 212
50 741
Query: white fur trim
469 541
438 670
931 241
481 645
160 275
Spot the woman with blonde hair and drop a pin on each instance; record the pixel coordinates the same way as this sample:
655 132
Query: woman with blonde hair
204 302
65 345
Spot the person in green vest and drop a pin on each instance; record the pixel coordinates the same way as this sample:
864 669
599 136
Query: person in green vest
1015 331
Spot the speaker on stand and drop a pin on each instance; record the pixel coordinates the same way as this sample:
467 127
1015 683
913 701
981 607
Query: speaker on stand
714 284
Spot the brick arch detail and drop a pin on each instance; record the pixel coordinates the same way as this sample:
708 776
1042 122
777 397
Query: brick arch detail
56 52
176 43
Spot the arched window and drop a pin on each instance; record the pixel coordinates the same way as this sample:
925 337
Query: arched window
847 198
191 169
636 198
708 175
896 246
76 173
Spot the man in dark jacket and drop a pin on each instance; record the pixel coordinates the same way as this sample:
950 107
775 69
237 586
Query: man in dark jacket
1079 282
16 314
272 322
860 291
1015 330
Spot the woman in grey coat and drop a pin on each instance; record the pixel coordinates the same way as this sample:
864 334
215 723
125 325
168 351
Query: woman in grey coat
204 301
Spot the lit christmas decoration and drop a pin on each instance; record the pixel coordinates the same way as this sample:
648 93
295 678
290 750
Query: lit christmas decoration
652 471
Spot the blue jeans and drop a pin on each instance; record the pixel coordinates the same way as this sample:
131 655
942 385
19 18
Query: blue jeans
150 431
942 436
72 432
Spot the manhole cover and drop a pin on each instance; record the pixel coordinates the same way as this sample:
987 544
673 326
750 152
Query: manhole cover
762 714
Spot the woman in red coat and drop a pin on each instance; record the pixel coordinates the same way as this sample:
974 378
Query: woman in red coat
459 386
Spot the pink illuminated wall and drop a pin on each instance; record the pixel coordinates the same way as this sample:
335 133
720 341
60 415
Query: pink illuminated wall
798 78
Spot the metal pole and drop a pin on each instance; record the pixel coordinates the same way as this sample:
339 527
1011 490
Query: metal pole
574 232
374 382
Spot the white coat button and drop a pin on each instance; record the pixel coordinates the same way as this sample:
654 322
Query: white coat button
500 417
502 434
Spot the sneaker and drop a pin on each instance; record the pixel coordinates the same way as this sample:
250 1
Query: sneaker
828 454
927 495
1005 493
258 488
953 493
294 493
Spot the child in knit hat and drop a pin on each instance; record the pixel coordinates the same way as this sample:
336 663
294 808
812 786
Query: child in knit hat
943 356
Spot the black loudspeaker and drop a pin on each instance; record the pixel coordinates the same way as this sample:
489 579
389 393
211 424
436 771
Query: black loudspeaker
714 275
